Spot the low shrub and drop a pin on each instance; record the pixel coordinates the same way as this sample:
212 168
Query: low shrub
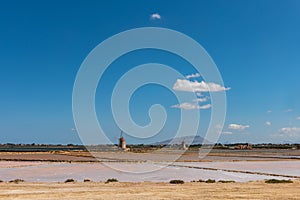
210 181
223 181
110 180
177 182
1 181
70 180
16 181
278 181
86 180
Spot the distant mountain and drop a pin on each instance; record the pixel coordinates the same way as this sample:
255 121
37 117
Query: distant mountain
187 139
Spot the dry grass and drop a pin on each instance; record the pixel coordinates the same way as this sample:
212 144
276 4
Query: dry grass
147 190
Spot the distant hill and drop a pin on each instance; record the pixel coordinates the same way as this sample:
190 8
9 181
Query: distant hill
188 140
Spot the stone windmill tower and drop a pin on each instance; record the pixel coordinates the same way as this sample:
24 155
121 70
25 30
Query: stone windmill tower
122 142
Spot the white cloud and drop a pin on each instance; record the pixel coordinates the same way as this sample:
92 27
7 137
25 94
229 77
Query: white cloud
201 100
288 133
289 130
193 76
238 127
73 129
298 118
191 106
268 123
269 111
155 16
289 110
195 86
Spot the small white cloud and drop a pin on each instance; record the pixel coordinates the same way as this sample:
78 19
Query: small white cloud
298 118
238 127
289 110
73 129
269 111
191 106
195 86
268 123
199 94
201 100
193 76
155 16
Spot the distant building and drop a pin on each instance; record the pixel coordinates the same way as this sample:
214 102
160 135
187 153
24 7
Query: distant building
247 146
183 145
122 142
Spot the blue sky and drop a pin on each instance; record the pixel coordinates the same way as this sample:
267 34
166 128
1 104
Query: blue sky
255 45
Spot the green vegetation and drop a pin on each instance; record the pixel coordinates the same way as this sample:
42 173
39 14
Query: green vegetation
223 181
213 181
137 148
17 181
70 180
199 181
110 180
210 181
278 181
177 182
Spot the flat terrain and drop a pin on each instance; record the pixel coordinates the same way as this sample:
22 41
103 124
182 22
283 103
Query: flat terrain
147 190
156 156
42 172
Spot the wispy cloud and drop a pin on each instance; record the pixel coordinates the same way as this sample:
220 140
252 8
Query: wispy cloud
191 106
268 123
289 110
298 118
269 111
195 86
193 76
288 130
73 129
288 133
201 100
155 16
238 127
227 133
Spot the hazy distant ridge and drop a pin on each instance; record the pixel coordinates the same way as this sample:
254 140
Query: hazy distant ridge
191 140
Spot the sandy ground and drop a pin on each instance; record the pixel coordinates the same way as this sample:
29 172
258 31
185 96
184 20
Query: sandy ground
250 190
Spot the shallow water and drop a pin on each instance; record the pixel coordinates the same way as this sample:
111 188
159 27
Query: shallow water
58 172
289 168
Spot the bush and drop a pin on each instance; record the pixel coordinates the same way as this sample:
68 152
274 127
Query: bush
111 180
16 181
278 181
70 180
223 181
86 180
210 181
1 181
177 182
